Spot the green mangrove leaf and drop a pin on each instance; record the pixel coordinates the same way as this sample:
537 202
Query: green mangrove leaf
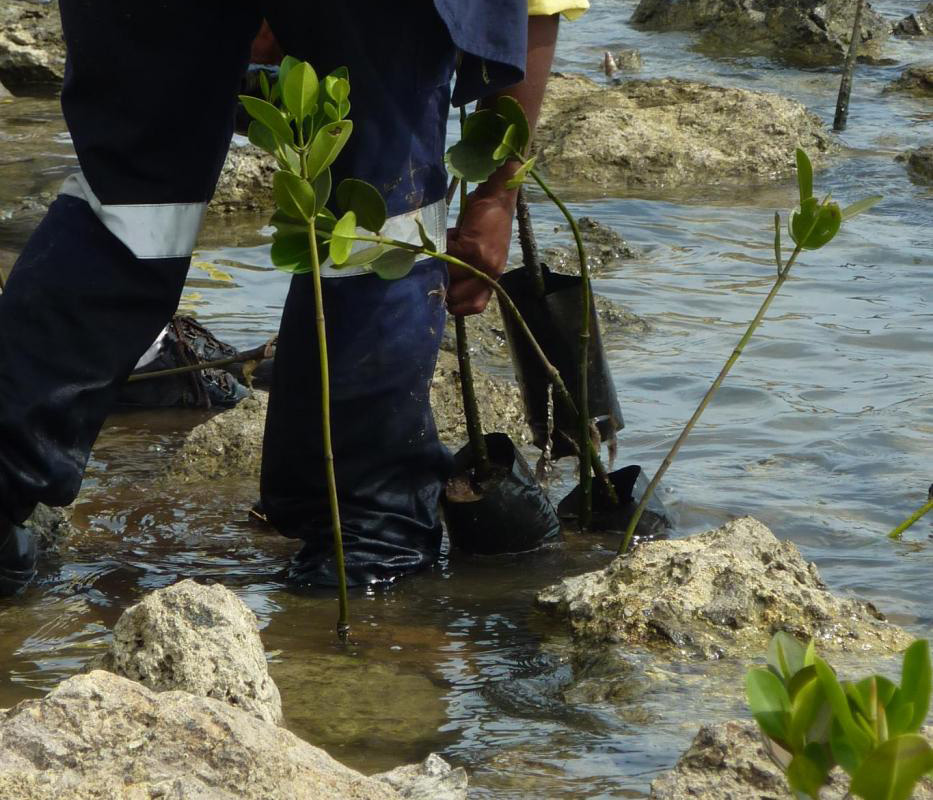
364 200
521 174
513 113
286 224
804 176
808 770
364 257
327 144
814 224
269 116
800 680
854 737
291 253
343 109
289 160
330 111
394 264
809 715
769 703
471 159
338 89
809 656
916 681
891 770
322 187
861 205
785 655
843 751
264 87
300 91
287 65
293 195
507 146
342 238
426 241
262 137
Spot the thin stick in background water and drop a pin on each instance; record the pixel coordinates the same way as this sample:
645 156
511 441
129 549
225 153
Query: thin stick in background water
845 85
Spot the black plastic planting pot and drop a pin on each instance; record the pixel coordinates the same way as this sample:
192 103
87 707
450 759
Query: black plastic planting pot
508 512
630 484
554 319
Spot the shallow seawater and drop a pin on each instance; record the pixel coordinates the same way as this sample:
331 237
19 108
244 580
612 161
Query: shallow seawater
823 431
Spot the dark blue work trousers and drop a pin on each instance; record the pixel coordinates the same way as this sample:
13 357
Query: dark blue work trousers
149 98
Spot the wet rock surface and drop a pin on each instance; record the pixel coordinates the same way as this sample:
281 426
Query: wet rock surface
670 133
801 32
199 639
245 182
32 52
51 527
432 779
920 23
919 163
728 761
722 593
916 79
605 250
100 736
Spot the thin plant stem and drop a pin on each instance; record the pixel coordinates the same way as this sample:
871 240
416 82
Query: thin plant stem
343 613
668 459
899 530
848 71
583 413
256 354
506 301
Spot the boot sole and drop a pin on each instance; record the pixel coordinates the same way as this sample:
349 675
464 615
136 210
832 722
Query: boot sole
13 581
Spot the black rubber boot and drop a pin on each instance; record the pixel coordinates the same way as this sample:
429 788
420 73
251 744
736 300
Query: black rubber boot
18 556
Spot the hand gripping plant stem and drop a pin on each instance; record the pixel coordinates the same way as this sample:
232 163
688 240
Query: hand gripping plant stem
812 225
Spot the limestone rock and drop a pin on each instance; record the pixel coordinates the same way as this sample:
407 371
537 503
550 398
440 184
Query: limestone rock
245 182
916 79
200 639
432 779
920 23
103 737
51 526
31 47
729 762
919 163
605 250
801 32
722 593
669 133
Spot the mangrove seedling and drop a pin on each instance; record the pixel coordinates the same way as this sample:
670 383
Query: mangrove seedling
812 722
923 510
812 225
303 122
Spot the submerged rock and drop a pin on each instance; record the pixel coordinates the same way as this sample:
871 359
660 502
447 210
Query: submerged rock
916 79
200 639
919 163
51 526
102 736
605 249
722 593
32 51
801 32
920 23
668 133
432 779
728 761
245 182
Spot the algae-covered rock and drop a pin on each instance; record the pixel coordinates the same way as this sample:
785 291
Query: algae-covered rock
718 594
919 163
32 51
669 133
916 79
51 526
103 737
920 23
728 761
245 182
802 32
432 779
605 250
200 639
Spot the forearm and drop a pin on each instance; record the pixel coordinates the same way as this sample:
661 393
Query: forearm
542 40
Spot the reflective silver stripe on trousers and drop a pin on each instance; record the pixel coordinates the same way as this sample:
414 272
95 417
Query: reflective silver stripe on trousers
155 230
403 228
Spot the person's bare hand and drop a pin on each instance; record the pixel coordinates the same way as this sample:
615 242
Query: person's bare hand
482 240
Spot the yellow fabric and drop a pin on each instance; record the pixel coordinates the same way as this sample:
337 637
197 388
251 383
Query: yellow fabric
571 9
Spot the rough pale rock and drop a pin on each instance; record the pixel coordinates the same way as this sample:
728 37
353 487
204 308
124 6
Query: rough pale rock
916 79
103 737
919 163
432 779
920 23
722 593
51 526
803 32
669 133
605 249
200 639
245 182
31 47
729 762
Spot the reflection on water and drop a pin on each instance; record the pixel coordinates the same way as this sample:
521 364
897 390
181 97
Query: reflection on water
823 431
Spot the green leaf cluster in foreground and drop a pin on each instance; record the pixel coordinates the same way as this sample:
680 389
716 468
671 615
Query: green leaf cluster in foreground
302 121
814 722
